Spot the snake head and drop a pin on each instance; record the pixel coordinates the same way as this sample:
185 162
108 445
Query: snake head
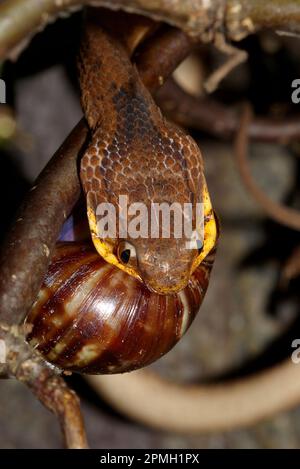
164 265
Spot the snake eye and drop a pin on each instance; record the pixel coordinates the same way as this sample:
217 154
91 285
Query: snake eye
125 256
126 252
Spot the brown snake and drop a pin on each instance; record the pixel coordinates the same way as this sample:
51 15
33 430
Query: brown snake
135 152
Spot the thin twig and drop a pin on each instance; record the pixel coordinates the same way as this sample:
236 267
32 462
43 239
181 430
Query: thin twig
56 396
208 115
281 214
291 268
234 57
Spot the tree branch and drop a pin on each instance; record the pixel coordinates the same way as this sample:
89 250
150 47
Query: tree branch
283 15
50 388
281 214
208 115
24 260
37 225
21 19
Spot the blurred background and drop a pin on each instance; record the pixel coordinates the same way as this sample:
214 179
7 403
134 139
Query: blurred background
249 318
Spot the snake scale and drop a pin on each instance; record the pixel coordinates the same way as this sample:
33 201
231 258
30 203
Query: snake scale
135 152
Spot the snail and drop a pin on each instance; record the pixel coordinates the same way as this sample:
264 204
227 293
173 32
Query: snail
116 303
91 317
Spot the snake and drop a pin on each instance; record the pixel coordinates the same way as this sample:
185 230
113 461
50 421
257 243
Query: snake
135 152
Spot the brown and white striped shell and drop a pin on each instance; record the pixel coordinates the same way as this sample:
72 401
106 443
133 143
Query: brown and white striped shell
92 317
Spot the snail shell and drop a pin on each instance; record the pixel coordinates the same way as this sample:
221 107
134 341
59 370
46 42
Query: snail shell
91 317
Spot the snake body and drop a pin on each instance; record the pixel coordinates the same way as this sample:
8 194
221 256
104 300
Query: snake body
135 152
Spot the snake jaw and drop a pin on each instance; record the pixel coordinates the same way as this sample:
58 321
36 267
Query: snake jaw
106 248
210 229
162 289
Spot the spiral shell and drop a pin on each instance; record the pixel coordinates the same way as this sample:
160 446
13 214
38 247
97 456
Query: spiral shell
91 317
